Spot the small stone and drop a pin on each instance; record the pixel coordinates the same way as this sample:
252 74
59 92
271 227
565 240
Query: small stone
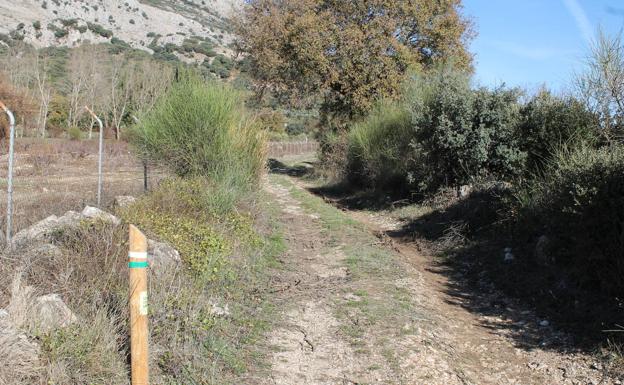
544 323
95 213
508 257
52 313
352 297
465 190
218 310
161 254
596 366
123 201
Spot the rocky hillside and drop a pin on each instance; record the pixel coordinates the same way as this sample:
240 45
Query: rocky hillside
147 24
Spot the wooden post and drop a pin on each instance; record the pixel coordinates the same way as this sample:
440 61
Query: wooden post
137 263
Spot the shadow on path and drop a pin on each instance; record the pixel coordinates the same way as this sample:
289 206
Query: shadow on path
535 306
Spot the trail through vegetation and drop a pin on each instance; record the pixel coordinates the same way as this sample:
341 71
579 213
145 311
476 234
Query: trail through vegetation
360 308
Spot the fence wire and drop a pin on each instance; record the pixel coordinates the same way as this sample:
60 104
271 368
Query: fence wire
53 176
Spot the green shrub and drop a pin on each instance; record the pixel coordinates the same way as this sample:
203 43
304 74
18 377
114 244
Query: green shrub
379 144
443 133
203 129
99 30
74 133
580 203
464 134
548 123
204 231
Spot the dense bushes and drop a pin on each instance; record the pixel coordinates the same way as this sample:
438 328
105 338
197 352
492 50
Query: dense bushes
580 204
202 129
444 133
549 122
465 134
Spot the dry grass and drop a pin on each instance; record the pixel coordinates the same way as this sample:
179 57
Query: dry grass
190 344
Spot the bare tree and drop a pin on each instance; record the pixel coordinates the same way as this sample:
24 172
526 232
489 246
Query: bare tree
121 80
78 79
151 80
602 84
44 92
96 95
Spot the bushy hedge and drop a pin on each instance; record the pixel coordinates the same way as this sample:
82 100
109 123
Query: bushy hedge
549 123
464 133
443 133
203 129
580 203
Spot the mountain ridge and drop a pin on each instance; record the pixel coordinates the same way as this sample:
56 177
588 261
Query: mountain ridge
145 24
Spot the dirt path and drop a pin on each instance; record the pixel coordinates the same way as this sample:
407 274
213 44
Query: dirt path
362 309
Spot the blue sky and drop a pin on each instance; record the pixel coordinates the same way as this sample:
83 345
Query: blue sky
529 43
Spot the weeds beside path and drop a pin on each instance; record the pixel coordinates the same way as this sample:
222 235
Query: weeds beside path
357 308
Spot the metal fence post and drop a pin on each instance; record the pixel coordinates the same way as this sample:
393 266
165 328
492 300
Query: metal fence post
100 156
9 224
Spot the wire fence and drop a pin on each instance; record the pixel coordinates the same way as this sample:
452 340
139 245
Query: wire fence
289 148
53 176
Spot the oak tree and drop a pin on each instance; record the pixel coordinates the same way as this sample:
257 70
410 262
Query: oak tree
345 54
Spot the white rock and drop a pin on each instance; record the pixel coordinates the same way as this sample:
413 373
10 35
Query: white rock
465 190
42 230
36 232
52 313
544 323
509 257
218 310
95 213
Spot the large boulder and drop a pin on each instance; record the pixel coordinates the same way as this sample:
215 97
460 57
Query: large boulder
43 230
35 233
27 311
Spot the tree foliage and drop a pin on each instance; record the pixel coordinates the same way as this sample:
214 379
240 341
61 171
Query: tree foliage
347 54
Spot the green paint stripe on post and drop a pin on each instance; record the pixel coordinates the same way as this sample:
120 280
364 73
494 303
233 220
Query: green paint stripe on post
138 265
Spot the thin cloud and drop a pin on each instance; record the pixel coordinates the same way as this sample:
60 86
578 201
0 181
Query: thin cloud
532 52
581 19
